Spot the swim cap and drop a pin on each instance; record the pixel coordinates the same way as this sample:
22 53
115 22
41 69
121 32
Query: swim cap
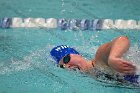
61 51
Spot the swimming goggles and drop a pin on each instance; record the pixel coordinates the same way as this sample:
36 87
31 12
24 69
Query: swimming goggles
66 59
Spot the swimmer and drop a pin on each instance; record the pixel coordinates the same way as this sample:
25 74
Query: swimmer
108 57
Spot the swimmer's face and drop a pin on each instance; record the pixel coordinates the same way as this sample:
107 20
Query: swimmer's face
72 61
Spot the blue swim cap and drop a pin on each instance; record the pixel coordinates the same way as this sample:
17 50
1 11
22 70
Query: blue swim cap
61 51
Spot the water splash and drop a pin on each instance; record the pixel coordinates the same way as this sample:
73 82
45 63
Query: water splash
133 56
14 66
35 58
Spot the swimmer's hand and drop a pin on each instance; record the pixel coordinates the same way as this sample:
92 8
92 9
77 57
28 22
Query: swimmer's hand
121 66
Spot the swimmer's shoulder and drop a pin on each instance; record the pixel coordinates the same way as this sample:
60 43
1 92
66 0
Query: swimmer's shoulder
102 54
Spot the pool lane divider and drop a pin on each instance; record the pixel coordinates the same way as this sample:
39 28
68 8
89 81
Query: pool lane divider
73 24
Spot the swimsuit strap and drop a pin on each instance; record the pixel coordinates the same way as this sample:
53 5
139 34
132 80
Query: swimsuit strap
93 63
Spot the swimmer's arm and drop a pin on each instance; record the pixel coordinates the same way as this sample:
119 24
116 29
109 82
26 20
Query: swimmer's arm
110 54
102 54
118 47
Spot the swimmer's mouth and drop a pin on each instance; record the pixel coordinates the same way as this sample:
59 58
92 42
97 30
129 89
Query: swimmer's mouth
76 68
70 67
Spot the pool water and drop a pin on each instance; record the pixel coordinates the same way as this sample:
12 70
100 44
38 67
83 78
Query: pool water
25 63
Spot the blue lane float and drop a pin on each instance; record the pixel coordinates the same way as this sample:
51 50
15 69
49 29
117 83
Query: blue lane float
63 24
85 24
72 24
97 24
76 24
5 22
